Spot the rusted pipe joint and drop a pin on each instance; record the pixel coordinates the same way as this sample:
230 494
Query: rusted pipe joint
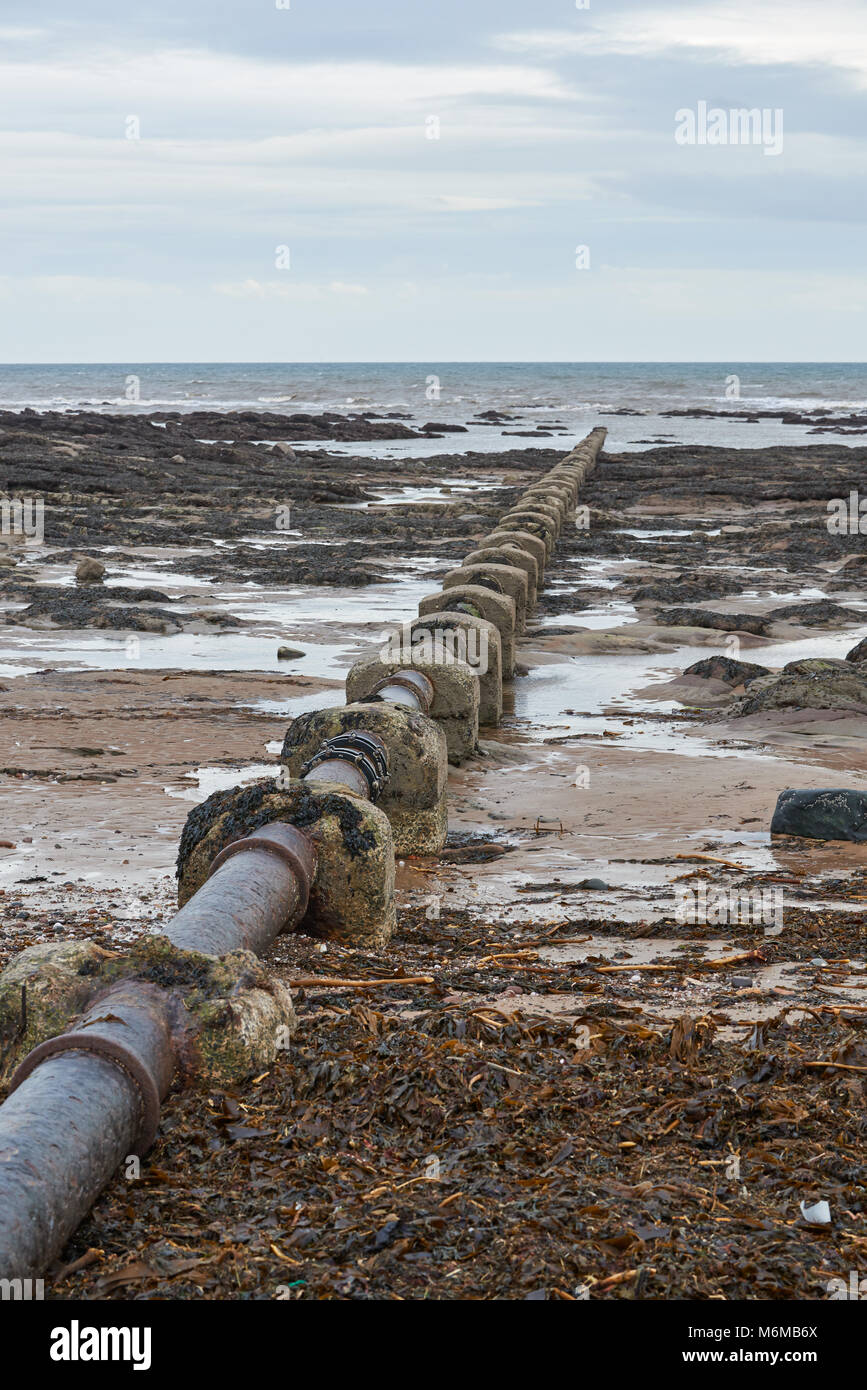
454 636
480 602
359 749
453 686
128 1026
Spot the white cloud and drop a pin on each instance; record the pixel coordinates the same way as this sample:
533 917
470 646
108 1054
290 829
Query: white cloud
300 290
185 90
469 203
833 33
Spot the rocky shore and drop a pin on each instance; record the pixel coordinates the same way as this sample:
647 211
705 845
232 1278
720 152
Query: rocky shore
591 1059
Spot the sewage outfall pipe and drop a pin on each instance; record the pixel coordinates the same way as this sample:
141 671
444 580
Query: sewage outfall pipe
87 1099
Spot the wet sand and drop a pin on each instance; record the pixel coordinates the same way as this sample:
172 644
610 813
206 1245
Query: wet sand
609 767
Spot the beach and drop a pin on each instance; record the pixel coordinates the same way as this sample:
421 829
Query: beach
601 1092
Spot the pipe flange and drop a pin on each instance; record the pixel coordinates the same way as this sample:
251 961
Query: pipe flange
112 1051
291 845
363 750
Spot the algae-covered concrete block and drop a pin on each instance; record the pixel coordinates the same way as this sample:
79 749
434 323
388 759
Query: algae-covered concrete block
450 635
455 706
495 608
41 989
525 539
414 796
352 897
230 1015
508 554
547 506
503 579
552 494
538 523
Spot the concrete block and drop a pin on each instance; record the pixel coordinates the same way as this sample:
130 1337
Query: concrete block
352 897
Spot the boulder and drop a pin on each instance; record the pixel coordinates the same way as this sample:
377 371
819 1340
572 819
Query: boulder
858 653
824 689
89 571
830 814
700 617
723 668
820 613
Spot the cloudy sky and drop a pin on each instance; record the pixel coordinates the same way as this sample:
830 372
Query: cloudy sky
310 128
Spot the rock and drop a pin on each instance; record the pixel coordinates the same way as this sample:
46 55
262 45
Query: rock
215 619
723 668
285 449
414 797
700 617
817 614
597 885
814 666
827 688
685 589
859 652
821 815
58 982
89 571
289 653
178 458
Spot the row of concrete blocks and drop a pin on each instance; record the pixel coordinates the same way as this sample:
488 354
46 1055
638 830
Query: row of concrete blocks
463 643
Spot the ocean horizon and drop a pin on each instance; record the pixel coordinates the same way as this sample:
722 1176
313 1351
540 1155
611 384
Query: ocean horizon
632 398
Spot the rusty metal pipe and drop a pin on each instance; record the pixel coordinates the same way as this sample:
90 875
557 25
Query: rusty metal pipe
81 1103
338 770
88 1098
258 887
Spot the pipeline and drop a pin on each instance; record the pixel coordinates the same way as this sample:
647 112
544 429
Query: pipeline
84 1100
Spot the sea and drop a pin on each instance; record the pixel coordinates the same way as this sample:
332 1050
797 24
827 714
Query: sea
568 397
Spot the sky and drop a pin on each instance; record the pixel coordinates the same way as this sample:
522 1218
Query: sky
404 180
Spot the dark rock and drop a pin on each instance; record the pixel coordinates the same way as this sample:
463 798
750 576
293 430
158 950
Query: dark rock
826 689
89 572
686 589
821 815
814 666
723 622
723 668
822 612
859 652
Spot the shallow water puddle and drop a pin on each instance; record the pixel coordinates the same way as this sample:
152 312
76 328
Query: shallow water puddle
218 779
